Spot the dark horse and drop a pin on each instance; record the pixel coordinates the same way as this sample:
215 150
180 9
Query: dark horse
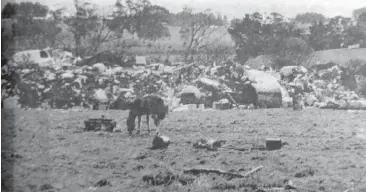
147 105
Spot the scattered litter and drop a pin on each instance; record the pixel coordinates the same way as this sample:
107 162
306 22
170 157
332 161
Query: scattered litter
209 144
305 173
320 86
164 177
289 185
102 183
197 171
100 124
160 142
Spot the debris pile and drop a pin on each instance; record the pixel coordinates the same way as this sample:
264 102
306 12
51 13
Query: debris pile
324 86
100 81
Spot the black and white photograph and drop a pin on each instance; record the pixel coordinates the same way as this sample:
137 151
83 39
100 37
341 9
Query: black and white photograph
183 96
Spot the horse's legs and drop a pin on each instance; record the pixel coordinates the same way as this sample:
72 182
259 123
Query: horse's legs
139 124
148 122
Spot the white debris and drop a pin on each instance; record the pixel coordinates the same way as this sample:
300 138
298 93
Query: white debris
289 70
50 76
100 66
67 75
108 72
26 71
76 60
37 56
191 89
224 101
310 100
11 103
181 108
41 86
117 70
101 95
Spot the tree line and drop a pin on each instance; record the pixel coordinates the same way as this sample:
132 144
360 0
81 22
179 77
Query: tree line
255 34
87 26
289 41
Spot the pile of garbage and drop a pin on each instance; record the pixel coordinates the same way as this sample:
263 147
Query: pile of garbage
323 86
77 86
65 82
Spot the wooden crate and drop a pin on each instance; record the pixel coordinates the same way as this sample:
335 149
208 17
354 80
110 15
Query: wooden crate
273 143
100 124
221 106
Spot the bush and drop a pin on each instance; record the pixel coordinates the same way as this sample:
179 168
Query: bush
357 67
293 51
361 89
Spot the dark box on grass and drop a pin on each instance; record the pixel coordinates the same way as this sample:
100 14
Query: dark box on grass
273 143
99 124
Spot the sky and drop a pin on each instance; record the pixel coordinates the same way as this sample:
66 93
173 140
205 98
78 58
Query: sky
238 8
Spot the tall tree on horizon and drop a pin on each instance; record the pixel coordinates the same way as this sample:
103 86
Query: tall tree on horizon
195 26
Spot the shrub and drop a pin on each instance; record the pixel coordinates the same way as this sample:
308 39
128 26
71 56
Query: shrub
293 51
357 67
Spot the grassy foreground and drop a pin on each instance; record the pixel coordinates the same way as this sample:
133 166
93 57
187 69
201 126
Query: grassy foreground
48 151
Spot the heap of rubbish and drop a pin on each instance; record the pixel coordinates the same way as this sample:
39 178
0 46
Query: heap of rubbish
64 82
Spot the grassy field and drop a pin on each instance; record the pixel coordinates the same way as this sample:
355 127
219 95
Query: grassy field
48 151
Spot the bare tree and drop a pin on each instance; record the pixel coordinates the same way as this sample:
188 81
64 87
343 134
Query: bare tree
81 23
138 17
194 27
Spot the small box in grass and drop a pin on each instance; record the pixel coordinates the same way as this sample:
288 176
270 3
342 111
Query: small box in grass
100 124
221 106
273 143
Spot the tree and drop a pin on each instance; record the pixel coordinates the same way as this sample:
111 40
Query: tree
26 10
250 36
226 20
140 17
81 23
357 13
319 36
361 26
135 16
219 20
310 17
8 11
339 32
293 51
256 35
337 27
151 25
30 25
361 21
194 27
7 37
354 35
